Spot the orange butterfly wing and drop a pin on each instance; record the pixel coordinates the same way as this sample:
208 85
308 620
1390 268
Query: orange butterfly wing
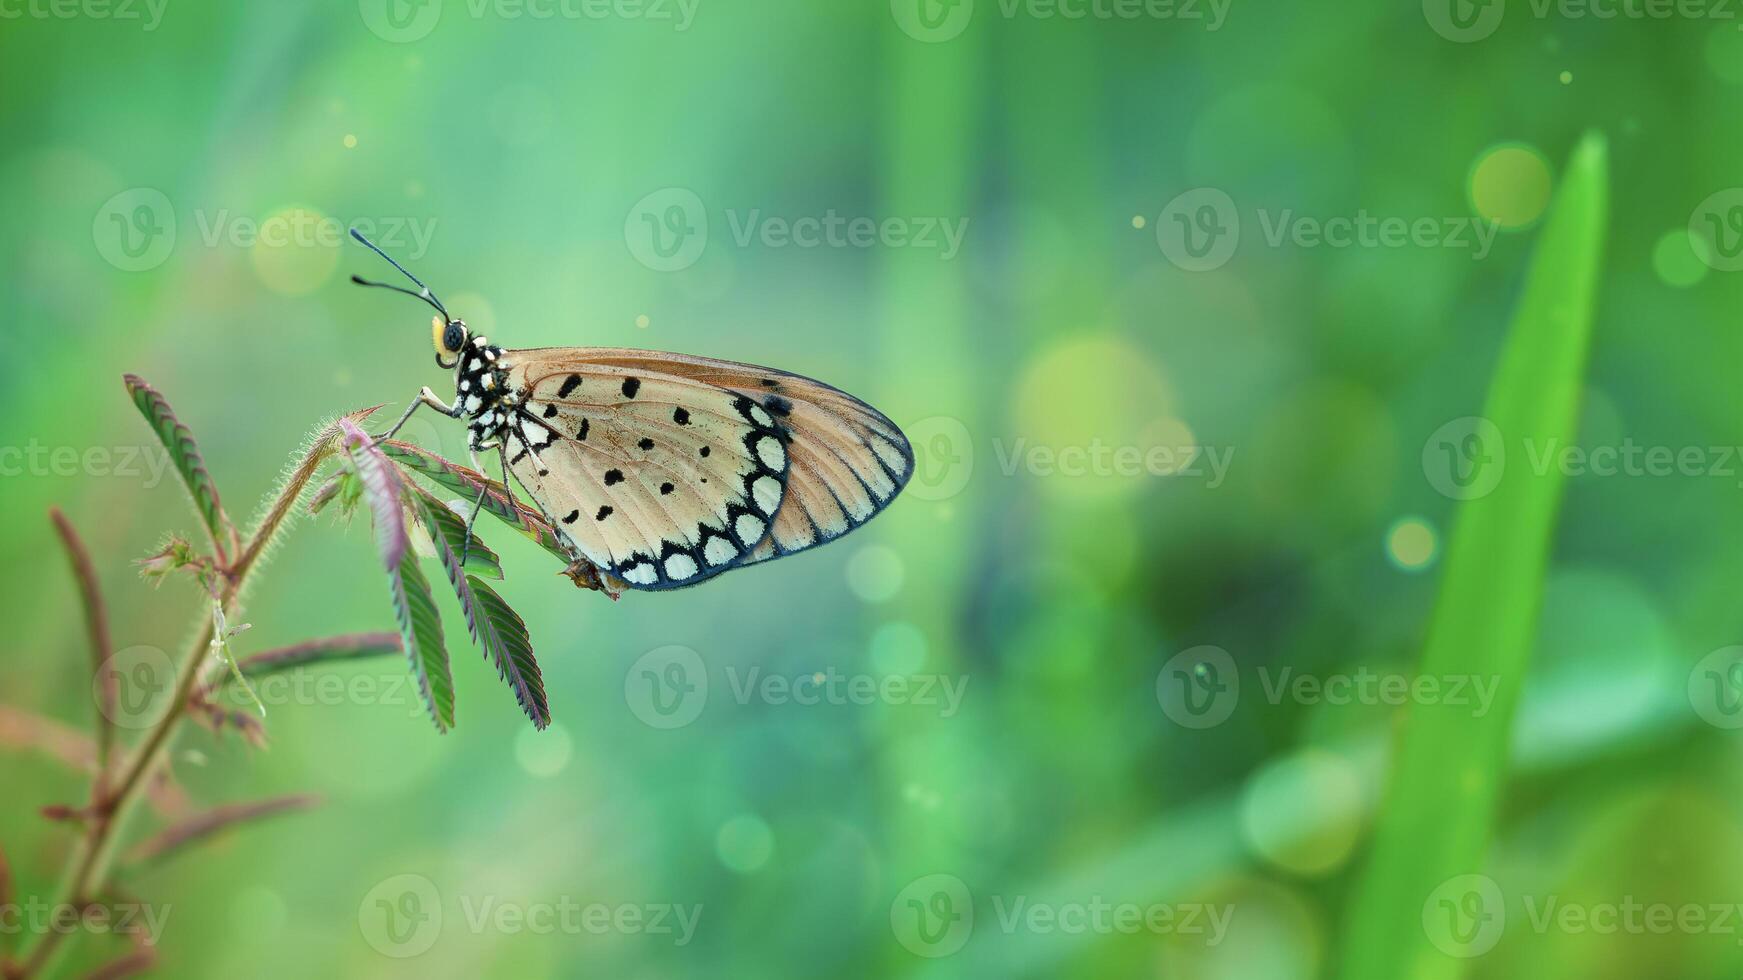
705 464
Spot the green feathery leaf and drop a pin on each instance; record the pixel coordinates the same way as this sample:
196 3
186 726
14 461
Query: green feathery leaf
420 626
468 484
186 454
448 529
504 635
494 626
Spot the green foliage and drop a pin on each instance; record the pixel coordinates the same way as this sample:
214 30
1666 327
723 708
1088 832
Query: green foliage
502 633
338 649
420 627
468 484
448 530
1446 777
185 453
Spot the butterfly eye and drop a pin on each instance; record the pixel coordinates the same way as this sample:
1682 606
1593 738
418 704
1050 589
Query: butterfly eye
454 336
449 337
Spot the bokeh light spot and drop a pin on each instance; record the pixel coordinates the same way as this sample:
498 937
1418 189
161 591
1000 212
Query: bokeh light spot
898 648
1303 812
1412 544
1678 258
875 574
545 753
1510 185
296 250
744 843
1725 52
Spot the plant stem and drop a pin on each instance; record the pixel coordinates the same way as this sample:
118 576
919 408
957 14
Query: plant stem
97 624
109 812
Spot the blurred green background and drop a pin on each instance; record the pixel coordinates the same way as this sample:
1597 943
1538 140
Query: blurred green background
1165 473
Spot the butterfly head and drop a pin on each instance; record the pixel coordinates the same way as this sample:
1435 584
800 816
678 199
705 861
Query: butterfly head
448 333
450 338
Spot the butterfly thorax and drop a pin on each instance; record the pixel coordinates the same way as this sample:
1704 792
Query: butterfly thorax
482 393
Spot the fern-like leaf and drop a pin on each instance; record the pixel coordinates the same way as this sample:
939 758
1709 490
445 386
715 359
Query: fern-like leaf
185 453
468 483
503 634
420 627
450 528
494 626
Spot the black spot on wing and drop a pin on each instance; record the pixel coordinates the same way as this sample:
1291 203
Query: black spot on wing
631 386
571 517
570 383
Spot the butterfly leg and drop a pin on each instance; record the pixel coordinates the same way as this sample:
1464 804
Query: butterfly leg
425 397
477 506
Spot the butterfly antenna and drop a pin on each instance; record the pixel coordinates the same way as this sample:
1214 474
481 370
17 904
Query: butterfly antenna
422 292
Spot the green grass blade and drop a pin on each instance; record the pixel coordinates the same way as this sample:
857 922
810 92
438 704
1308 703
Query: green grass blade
185 453
1447 777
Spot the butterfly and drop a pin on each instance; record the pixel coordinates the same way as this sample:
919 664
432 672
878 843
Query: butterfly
660 471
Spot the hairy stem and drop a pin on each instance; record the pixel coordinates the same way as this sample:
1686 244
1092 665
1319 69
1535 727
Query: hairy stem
110 811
